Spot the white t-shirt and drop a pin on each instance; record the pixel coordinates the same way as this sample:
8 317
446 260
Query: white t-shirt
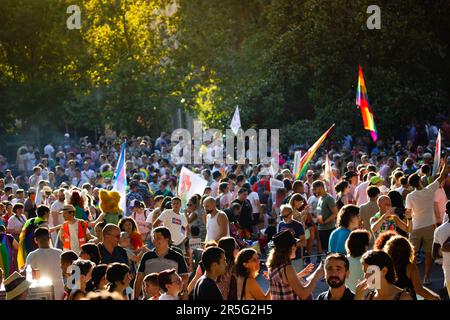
441 234
14 223
421 202
88 174
48 261
166 296
225 201
361 193
440 198
253 197
79 182
49 150
56 206
214 189
176 223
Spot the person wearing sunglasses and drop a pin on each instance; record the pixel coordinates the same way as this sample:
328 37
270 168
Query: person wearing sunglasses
110 251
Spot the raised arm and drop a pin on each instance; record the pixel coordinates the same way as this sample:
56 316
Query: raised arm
293 280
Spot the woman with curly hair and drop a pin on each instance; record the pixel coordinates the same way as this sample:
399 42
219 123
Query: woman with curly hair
78 202
383 238
129 226
402 254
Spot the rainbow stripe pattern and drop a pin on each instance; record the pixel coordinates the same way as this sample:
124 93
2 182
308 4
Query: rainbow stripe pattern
6 256
26 240
306 158
362 101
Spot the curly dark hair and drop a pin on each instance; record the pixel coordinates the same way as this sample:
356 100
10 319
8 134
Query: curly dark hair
384 237
400 250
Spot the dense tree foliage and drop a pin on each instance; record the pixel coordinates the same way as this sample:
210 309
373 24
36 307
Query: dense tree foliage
288 64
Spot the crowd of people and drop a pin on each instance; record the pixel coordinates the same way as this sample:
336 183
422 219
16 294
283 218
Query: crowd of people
383 207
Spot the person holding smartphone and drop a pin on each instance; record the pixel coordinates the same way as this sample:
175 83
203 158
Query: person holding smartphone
386 219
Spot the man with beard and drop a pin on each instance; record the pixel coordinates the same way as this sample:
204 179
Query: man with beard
336 272
217 225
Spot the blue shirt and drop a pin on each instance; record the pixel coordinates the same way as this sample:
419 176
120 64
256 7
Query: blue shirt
336 244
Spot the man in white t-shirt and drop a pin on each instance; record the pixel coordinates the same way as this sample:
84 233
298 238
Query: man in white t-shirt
420 205
215 184
176 223
442 243
56 217
47 261
361 190
49 150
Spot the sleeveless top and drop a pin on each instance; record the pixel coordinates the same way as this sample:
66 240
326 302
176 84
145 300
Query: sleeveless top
213 229
339 202
371 294
278 289
244 285
403 282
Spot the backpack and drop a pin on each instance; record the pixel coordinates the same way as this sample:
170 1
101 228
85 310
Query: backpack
263 198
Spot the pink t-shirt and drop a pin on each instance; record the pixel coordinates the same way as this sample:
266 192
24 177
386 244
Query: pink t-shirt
440 198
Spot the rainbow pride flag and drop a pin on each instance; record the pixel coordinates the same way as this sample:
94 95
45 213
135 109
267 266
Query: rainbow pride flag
120 179
26 240
437 155
6 256
362 101
306 158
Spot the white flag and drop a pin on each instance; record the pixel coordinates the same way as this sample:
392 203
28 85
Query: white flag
189 184
236 121
297 158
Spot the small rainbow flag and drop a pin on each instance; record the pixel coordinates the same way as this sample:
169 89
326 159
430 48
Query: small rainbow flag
362 101
144 173
306 158
437 155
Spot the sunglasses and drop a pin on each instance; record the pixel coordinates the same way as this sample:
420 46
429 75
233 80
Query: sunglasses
286 216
